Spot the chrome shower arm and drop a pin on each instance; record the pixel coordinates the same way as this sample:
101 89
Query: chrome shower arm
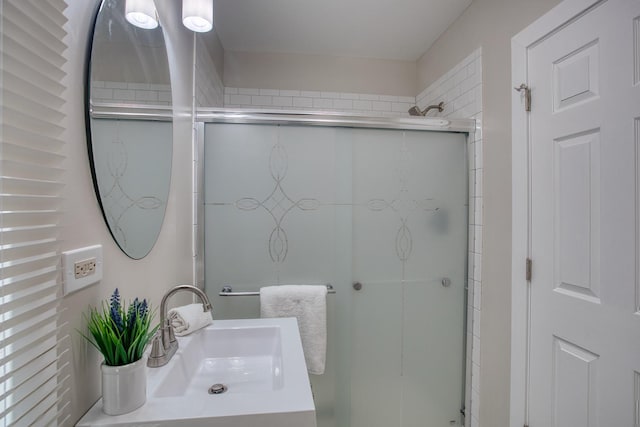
415 111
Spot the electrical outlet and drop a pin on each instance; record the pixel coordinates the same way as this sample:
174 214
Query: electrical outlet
84 268
81 268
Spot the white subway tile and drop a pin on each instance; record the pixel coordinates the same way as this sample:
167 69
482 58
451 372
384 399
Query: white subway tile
159 87
240 99
164 96
260 100
475 352
477 210
477 154
381 106
269 92
475 407
477 295
400 107
388 98
310 93
475 376
476 323
115 85
227 100
146 95
289 93
282 101
343 104
97 83
470 240
332 95
468 84
303 102
231 90
362 105
248 91
139 86
368 97
352 96
478 183
102 93
322 103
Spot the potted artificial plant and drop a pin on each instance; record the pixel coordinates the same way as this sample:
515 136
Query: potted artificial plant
121 334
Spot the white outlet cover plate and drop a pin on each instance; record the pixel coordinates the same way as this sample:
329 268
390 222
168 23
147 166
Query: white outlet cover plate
69 258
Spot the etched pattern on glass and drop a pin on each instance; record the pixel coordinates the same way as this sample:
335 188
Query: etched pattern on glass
116 201
279 204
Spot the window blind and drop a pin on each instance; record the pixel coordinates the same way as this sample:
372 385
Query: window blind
34 345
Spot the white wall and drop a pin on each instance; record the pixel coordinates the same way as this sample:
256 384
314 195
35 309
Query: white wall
170 260
319 73
490 24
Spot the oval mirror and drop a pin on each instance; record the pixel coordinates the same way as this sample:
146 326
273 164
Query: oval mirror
129 126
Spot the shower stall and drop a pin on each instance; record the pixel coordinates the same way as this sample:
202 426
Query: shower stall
378 209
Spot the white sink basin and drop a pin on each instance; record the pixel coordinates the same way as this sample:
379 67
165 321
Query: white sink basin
261 363
245 360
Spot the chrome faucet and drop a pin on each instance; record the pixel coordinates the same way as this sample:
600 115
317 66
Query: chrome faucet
164 344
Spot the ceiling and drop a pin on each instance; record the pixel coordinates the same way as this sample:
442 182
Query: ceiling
382 29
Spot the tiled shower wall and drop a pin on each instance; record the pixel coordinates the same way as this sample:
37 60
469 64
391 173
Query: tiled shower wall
130 93
352 103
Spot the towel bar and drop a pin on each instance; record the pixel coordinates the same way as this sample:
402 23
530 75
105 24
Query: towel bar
227 291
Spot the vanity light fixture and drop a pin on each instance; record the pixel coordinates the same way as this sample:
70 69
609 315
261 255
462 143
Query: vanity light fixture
141 13
197 15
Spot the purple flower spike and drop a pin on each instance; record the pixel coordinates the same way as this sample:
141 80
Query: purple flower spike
115 310
143 308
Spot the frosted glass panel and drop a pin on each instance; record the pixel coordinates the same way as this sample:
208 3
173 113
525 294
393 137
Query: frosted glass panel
132 166
386 208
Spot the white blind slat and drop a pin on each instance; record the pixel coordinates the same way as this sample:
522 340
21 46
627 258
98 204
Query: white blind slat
21 331
26 354
22 29
27 137
19 168
50 24
34 379
19 151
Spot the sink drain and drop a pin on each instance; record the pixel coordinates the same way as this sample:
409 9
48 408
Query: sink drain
217 389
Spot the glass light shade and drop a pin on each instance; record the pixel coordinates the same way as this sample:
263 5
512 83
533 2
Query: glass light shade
197 15
141 13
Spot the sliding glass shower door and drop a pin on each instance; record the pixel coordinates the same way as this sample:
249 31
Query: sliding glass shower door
379 214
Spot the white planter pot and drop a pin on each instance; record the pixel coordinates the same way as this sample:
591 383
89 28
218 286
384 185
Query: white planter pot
124 388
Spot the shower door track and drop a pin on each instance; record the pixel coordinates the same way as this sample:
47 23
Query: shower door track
332 119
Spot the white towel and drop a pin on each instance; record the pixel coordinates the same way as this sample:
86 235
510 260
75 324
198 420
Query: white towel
189 318
309 305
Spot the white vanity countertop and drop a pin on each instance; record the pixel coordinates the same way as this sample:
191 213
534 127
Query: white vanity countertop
288 403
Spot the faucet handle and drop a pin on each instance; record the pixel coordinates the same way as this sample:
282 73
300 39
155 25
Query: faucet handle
172 335
157 350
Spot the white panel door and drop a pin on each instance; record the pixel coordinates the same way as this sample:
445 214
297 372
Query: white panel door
584 139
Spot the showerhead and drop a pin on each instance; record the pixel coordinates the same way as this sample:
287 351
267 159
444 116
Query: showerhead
415 111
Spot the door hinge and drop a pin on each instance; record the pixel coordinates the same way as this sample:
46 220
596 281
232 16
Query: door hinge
529 266
527 95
